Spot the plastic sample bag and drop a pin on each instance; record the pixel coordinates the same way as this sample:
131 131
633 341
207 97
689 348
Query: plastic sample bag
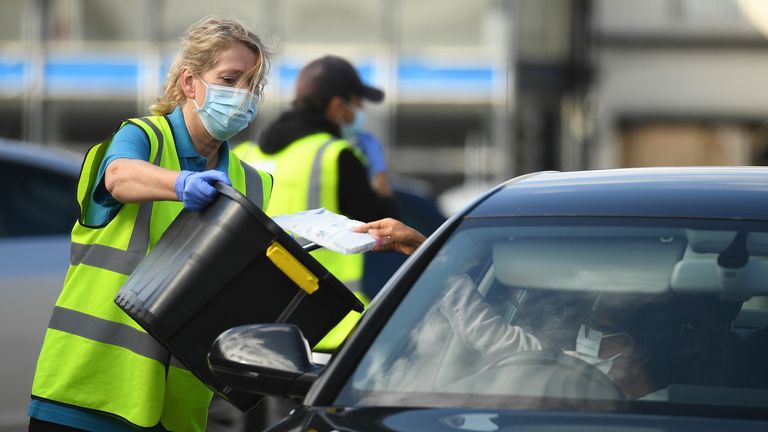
329 230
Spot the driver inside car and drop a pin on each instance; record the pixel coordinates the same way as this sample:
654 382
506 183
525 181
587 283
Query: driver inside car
632 339
629 338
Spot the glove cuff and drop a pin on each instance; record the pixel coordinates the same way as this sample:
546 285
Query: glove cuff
178 186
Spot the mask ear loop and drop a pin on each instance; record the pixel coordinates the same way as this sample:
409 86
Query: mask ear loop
355 110
251 101
614 357
255 91
194 101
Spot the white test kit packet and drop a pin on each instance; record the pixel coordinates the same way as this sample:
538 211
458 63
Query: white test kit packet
329 230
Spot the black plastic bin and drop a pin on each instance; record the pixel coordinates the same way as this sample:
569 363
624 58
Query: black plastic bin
225 266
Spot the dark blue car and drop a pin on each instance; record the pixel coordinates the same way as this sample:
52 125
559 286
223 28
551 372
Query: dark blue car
630 300
36 215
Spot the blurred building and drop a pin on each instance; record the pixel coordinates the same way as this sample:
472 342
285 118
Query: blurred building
70 69
477 90
678 82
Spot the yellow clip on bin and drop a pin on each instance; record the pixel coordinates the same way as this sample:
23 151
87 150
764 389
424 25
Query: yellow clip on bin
292 268
226 266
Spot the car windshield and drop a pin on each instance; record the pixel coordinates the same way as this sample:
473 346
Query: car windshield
579 313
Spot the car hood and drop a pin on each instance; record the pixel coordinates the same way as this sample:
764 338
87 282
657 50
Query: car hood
490 420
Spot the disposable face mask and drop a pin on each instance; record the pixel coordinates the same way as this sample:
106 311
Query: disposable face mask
349 130
588 348
604 365
226 110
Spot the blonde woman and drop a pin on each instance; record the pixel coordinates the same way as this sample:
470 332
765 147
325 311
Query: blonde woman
97 369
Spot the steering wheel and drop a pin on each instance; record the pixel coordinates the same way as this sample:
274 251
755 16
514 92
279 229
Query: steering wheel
542 374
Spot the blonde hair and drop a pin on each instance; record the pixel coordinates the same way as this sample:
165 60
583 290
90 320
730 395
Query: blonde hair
201 46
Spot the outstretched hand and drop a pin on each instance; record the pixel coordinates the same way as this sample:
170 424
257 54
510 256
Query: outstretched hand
392 235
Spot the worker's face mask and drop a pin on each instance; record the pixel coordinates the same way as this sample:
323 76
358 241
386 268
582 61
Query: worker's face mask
226 110
588 348
350 130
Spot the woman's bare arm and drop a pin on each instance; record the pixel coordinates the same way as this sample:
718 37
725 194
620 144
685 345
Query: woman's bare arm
130 180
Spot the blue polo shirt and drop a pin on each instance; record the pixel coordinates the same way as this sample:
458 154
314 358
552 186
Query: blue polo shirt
131 142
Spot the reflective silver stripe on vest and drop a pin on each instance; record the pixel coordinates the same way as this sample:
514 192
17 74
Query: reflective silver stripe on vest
354 285
105 257
112 258
176 363
316 177
254 189
108 332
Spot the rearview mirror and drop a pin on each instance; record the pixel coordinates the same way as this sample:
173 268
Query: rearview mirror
268 359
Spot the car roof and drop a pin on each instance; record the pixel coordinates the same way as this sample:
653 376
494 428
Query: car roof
46 157
686 192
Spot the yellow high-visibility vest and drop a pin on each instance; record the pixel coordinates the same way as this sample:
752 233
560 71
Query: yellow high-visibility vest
94 356
306 176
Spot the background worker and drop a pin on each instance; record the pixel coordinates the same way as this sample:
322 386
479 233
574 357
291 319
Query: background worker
308 151
98 370
364 141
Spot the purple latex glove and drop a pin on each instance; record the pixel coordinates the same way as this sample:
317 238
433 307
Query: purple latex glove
195 189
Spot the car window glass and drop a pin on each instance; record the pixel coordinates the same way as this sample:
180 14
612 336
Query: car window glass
36 201
517 313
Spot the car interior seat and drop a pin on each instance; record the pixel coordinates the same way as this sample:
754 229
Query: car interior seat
709 351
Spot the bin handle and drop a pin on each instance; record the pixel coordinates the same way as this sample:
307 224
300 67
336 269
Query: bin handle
228 190
250 207
233 194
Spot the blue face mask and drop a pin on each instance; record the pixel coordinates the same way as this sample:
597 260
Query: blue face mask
226 110
349 130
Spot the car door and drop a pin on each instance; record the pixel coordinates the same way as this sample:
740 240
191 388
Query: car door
37 211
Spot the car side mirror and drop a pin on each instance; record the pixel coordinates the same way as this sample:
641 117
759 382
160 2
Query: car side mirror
268 359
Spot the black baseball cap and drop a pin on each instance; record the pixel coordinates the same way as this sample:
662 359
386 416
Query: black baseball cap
333 76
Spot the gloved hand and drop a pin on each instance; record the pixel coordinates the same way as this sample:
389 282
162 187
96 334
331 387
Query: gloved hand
371 148
195 189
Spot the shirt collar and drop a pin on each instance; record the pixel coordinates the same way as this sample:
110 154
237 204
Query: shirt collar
184 147
223 157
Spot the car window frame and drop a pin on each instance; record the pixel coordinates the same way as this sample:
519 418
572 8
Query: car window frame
393 303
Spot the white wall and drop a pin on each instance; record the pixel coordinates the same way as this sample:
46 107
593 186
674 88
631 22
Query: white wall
667 68
670 17
709 83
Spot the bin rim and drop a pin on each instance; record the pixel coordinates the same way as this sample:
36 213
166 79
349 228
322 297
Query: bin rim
249 206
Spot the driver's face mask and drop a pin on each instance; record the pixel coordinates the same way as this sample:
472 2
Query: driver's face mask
588 348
